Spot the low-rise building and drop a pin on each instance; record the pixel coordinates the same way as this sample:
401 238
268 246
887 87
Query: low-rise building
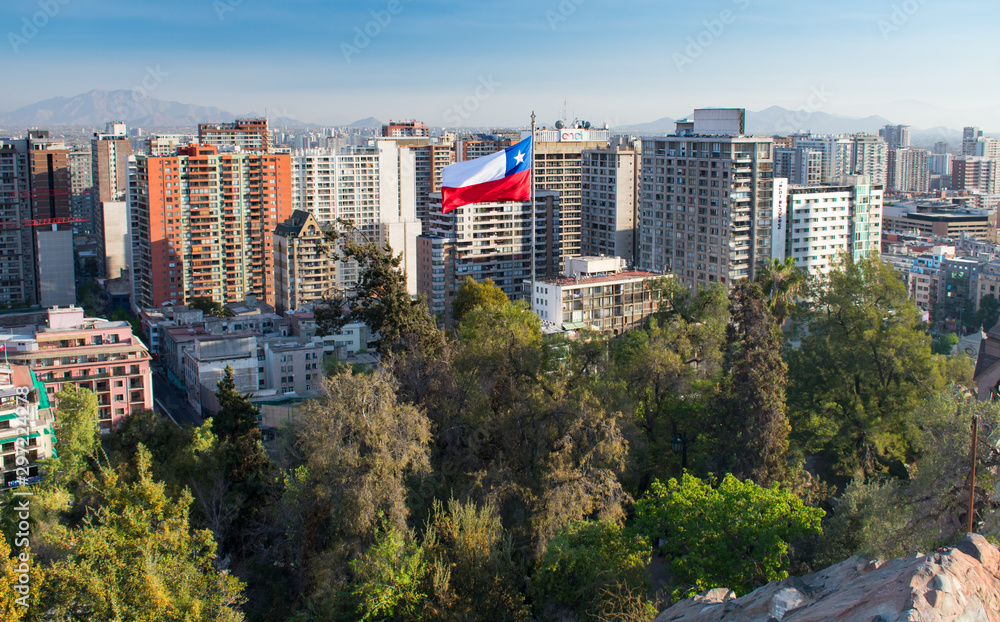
598 294
91 353
26 434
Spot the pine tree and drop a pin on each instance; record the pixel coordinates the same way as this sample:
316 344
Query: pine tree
751 397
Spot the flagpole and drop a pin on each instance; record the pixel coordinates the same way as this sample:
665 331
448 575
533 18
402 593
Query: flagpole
531 297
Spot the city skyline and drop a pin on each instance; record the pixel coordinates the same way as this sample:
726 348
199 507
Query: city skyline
489 63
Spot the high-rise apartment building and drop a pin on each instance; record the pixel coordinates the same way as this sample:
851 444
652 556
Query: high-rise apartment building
26 430
987 148
82 187
895 136
479 145
870 156
203 221
608 199
304 272
249 135
970 136
975 173
36 260
800 165
814 224
940 148
487 241
408 129
558 166
837 153
111 151
429 161
706 205
910 170
373 187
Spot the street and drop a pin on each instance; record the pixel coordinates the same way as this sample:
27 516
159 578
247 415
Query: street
169 401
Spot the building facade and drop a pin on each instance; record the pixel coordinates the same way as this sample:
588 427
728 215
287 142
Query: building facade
706 205
304 272
558 166
111 151
249 135
816 224
91 353
26 432
597 294
487 241
203 225
608 191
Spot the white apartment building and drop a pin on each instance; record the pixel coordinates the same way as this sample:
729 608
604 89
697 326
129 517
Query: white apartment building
374 187
814 224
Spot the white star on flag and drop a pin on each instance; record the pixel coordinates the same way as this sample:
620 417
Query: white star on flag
519 158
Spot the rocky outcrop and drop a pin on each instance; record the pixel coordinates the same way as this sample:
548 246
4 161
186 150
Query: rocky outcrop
960 584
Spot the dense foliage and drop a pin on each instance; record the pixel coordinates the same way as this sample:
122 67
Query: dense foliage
492 472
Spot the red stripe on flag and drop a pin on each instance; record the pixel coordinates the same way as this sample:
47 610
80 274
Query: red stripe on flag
516 187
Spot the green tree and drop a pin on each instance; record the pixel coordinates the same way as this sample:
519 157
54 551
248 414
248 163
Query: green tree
380 299
245 468
209 307
10 609
750 402
472 294
781 283
136 558
734 535
588 564
944 343
472 574
988 314
389 577
535 439
861 370
357 447
77 434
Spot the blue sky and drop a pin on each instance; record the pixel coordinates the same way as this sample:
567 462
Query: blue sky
489 62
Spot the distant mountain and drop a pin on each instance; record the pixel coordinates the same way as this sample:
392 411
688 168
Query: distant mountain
96 107
369 122
778 120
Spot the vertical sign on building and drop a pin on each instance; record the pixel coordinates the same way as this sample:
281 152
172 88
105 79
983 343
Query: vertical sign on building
779 218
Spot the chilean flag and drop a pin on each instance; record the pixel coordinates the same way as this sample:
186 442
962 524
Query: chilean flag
502 176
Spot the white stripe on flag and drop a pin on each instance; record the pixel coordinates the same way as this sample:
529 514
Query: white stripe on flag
472 172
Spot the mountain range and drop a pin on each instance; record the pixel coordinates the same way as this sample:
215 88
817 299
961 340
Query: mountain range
95 107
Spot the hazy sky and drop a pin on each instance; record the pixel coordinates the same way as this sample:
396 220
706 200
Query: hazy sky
489 62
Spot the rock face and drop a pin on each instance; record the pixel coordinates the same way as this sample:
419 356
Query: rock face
961 584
